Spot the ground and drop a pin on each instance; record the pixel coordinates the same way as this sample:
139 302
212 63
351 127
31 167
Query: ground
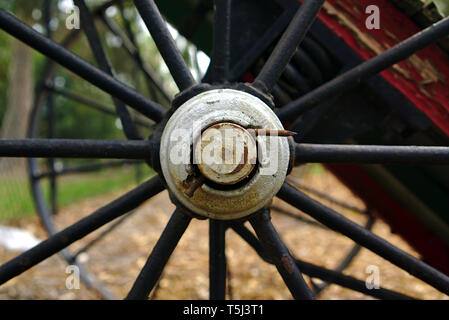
117 259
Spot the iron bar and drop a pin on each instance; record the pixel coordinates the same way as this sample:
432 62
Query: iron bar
103 234
165 43
334 153
217 260
280 255
319 272
80 229
47 14
97 49
94 104
244 64
221 53
86 168
297 217
295 79
365 70
348 258
77 148
290 40
77 65
349 282
365 238
132 49
159 257
324 196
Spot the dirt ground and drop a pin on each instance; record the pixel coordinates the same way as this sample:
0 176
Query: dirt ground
117 259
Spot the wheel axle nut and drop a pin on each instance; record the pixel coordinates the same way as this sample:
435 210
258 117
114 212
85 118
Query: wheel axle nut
226 153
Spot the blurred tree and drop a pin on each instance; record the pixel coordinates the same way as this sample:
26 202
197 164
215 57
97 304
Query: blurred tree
20 83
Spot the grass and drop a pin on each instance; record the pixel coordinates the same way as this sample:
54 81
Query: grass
16 200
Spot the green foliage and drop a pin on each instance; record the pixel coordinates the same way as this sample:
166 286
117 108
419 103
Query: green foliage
16 202
441 5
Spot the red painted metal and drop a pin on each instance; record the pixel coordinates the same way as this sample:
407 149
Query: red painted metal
432 249
423 78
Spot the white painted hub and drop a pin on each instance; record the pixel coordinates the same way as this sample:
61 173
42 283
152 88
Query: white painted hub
186 127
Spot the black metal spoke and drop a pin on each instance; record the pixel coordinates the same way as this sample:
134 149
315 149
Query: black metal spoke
77 65
86 168
348 258
159 257
280 255
47 13
165 43
365 238
221 52
349 282
334 153
80 229
287 213
324 196
131 48
94 40
317 271
217 260
77 148
290 40
365 70
94 104
103 234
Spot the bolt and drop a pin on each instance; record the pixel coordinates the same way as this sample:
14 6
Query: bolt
194 185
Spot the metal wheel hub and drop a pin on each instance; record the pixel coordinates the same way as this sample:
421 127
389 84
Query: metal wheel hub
210 142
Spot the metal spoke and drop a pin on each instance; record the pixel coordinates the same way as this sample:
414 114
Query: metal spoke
77 65
103 234
365 70
325 196
365 238
165 43
94 40
297 217
334 153
290 40
348 258
86 168
221 52
158 258
319 272
50 115
132 49
280 255
77 148
217 260
94 104
80 229
349 282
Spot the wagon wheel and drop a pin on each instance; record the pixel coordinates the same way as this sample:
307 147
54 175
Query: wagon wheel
45 176
209 190
43 119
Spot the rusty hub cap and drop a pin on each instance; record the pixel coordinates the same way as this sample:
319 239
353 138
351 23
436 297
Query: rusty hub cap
226 153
